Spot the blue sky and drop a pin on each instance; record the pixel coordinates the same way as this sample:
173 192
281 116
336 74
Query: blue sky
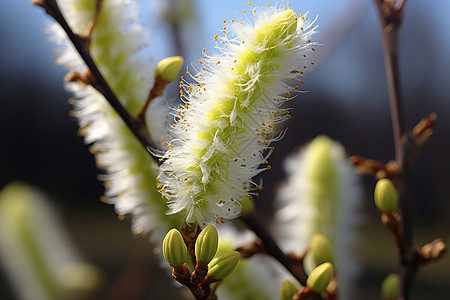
24 45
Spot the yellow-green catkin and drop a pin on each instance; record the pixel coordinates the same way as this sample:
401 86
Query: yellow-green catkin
221 137
35 251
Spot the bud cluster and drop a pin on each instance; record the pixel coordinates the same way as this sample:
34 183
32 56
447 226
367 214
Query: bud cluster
209 267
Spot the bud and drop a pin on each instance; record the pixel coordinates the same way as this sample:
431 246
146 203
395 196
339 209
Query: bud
434 250
174 248
287 290
320 249
222 265
320 277
206 244
386 196
168 68
390 287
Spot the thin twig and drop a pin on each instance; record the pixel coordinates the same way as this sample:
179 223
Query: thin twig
390 17
90 30
156 91
271 248
136 125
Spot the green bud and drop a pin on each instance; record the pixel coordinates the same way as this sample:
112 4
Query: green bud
390 287
287 290
168 68
386 196
222 265
174 248
320 277
206 244
320 249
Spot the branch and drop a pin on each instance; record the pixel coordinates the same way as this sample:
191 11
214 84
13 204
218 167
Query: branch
81 44
271 247
390 17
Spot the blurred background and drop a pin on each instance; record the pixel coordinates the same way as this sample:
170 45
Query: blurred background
347 99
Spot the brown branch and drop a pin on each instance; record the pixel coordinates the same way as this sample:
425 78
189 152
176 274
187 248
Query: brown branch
390 17
393 221
190 235
156 91
366 166
90 29
251 249
81 44
271 248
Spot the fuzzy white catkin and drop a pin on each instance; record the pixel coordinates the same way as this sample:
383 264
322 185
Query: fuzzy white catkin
129 171
222 135
33 248
320 195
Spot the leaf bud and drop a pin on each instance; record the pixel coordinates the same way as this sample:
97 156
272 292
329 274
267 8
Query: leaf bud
174 248
206 244
287 290
386 196
168 68
320 249
320 277
390 287
222 265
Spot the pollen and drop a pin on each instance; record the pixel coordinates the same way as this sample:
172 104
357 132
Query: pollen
215 37
268 4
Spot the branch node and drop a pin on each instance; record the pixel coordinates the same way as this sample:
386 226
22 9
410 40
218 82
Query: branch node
432 251
156 91
251 249
365 166
423 130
